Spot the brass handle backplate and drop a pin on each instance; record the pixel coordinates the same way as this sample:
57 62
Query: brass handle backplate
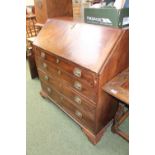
57 60
44 65
77 85
43 55
77 99
77 72
78 113
46 78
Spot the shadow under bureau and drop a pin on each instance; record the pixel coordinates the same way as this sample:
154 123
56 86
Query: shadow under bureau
74 60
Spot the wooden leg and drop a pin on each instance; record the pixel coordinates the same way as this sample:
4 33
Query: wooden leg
120 116
122 134
43 94
94 139
32 63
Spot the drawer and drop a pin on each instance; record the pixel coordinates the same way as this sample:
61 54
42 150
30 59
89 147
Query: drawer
73 82
79 101
66 104
53 94
50 80
85 75
80 87
81 116
49 68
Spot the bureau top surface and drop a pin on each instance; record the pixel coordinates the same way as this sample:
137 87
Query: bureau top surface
84 44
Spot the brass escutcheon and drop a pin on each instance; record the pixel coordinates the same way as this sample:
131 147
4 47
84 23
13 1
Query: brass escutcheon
77 99
42 54
46 78
57 60
77 72
77 85
78 113
44 65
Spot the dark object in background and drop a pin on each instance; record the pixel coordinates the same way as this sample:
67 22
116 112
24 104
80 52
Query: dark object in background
97 1
107 16
31 58
108 1
126 5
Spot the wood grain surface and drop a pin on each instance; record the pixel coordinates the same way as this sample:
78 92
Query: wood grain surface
84 44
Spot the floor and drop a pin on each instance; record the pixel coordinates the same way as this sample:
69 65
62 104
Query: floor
52 132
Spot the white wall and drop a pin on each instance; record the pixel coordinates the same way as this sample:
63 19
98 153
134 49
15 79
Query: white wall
29 2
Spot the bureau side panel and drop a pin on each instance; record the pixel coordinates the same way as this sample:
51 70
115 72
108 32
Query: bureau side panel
117 61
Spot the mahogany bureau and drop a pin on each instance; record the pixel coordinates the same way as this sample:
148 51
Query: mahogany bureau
74 60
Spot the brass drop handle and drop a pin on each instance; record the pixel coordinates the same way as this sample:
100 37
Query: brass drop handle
49 90
43 55
46 78
77 99
45 65
57 60
77 72
77 85
78 114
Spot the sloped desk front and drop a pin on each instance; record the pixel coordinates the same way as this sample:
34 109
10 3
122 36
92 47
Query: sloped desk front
74 60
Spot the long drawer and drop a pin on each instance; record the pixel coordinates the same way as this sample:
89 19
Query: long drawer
67 105
56 83
77 99
73 69
54 95
53 72
81 116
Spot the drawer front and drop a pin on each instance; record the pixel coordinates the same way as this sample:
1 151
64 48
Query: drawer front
71 68
45 56
49 80
73 82
81 116
54 95
49 68
80 88
79 101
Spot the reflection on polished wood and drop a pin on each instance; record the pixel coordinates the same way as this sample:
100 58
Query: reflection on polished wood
85 44
119 86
